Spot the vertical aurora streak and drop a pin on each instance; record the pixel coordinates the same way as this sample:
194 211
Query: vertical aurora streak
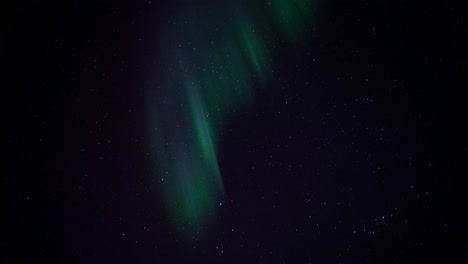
207 73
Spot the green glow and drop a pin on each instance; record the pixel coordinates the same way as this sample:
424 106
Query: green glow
205 139
294 16
256 53
209 67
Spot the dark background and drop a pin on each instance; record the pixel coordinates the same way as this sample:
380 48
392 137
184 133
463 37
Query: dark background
356 153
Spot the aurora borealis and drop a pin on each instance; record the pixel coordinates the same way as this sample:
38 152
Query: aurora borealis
234 131
208 73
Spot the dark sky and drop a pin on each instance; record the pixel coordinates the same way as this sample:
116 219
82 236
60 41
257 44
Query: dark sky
353 150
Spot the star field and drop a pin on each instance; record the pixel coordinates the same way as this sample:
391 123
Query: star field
300 131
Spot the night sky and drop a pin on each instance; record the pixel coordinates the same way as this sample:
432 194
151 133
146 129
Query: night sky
281 131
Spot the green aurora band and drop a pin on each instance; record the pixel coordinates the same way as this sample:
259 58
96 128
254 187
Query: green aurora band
210 63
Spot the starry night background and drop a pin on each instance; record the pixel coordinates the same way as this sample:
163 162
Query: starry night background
234 131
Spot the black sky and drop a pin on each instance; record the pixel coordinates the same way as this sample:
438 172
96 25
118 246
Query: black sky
356 152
